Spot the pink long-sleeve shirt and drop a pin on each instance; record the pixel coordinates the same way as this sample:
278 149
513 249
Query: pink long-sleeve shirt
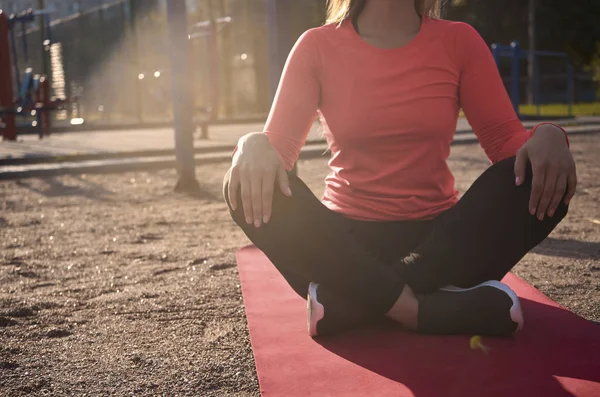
389 115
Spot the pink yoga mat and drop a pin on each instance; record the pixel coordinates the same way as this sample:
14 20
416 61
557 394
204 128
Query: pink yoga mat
556 354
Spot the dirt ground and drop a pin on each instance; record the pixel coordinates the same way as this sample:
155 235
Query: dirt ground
115 285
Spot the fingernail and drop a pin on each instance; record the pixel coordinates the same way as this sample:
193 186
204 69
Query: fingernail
256 223
265 219
551 213
532 211
248 220
540 217
289 191
517 181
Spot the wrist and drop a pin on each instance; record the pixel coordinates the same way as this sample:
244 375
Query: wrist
551 129
250 138
254 135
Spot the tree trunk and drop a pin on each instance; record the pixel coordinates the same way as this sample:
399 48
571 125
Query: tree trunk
182 94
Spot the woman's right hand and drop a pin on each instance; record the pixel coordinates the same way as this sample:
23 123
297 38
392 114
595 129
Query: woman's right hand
254 169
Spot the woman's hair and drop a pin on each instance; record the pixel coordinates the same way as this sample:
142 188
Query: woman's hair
339 10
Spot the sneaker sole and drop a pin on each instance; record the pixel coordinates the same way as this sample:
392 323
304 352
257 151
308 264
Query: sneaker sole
314 309
516 313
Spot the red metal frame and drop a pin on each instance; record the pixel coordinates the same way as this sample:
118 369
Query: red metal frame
39 102
6 87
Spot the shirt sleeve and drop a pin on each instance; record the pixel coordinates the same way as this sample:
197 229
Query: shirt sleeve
296 101
484 99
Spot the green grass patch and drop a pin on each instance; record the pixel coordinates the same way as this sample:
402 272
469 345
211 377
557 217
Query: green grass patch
560 109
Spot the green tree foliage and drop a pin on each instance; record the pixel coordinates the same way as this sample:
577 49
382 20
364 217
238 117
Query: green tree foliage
570 26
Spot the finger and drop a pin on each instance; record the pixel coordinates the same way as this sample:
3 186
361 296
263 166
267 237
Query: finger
549 187
268 184
559 192
520 166
537 187
571 186
232 188
284 181
255 193
245 193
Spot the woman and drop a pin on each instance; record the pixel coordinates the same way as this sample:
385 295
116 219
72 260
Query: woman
390 236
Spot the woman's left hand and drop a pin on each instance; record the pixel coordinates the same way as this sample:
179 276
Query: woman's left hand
553 169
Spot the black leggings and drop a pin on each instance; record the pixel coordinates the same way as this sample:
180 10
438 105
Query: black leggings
481 238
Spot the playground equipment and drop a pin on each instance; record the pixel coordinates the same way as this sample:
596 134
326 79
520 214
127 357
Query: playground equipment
515 53
33 100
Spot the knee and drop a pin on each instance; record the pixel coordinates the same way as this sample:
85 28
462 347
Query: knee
279 200
226 190
506 168
236 214
522 193
561 212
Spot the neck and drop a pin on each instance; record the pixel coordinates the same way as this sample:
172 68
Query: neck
382 17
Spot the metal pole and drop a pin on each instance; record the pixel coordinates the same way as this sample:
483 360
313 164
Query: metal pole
536 79
278 23
531 30
43 22
514 92
135 61
6 84
214 70
182 95
496 54
226 67
44 115
13 47
45 46
279 15
23 25
570 86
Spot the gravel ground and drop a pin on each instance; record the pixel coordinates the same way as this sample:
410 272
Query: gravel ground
115 285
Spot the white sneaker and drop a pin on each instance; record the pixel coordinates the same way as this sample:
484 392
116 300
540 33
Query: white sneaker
315 310
489 308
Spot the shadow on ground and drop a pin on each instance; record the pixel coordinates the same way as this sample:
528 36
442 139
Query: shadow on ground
55 188
568 248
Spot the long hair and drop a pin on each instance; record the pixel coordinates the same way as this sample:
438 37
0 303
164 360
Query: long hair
339 10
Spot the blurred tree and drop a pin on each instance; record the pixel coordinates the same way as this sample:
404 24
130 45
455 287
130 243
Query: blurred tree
570 27
561 26
182 96
594 68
